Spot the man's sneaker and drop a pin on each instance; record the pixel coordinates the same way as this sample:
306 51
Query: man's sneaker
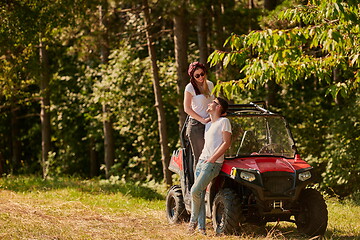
202 231
192 227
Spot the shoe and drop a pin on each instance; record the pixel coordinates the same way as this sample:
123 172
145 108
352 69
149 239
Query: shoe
202 231
192 227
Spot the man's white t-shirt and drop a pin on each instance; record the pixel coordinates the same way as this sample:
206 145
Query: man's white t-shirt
214 138
200 102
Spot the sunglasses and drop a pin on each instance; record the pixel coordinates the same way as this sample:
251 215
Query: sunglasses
198 75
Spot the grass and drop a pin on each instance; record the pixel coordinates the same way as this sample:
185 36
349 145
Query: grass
68 208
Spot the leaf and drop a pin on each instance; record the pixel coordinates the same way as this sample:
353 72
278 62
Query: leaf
354 59
221 56
210 59
227 60
227 90
217 88
228 40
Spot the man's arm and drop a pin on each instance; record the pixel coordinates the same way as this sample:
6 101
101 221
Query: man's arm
223 147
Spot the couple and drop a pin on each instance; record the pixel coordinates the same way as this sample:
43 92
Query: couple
210 141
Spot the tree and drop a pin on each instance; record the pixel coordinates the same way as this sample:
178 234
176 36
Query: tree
165 153
181 56
29 28
50 16
202 32
45 107
271 86
109 148
16 35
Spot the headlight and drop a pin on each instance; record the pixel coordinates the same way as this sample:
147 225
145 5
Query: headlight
247 176
304 176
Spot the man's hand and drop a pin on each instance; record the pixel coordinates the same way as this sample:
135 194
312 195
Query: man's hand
210 160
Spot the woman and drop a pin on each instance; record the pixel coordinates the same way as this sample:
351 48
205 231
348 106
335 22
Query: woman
197 96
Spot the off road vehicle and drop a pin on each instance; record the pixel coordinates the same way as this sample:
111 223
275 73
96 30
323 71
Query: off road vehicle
263 178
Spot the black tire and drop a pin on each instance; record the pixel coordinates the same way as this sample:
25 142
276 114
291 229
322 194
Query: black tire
313 216
226 212
175 208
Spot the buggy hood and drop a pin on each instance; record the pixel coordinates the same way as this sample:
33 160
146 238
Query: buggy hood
265 164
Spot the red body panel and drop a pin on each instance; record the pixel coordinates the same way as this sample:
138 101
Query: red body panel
265 164
176 161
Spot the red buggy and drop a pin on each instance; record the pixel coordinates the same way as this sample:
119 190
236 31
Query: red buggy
263 178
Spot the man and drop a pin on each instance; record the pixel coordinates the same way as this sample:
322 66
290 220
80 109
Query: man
217 141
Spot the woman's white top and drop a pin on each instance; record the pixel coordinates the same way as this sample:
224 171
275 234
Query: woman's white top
199 103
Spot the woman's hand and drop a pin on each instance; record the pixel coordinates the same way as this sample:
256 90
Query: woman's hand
206 120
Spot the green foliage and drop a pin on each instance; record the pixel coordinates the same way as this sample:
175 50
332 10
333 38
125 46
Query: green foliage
327 136
126 87
328 41
313 56
23 25
312 53
342 149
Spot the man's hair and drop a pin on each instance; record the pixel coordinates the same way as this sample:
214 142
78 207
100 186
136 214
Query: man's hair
224 104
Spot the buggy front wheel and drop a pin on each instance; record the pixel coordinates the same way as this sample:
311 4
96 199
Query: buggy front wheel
313 215
226 212
175 207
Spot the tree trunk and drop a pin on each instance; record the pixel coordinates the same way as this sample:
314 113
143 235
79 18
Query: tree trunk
2 161
270 4
271 87
45 107
219 36
339 100
94 168
15 143
218 12
180 42
202 36
109 147
165 153
251 5
272 93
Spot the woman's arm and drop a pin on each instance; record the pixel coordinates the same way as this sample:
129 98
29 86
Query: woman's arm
188 109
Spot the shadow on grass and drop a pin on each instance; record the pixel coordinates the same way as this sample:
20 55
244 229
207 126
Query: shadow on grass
340 235
94 186
289 231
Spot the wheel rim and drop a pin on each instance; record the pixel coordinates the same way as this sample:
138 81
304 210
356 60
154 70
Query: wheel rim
171 207
219 215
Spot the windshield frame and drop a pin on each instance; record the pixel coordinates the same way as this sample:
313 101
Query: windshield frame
289 146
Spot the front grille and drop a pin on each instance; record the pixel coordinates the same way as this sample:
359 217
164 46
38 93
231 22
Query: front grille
277 183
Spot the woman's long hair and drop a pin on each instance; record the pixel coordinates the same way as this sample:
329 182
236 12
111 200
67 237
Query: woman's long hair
205 89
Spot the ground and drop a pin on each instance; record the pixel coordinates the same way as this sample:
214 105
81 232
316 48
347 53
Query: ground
86 211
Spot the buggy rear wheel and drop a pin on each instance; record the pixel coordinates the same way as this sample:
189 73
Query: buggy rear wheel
175 207
226 212
313 216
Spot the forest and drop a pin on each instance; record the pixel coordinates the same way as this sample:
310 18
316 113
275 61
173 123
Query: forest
94 88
